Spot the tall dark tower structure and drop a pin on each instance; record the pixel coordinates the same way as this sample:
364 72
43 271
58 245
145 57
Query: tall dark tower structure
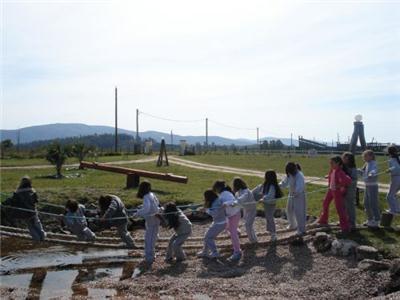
358 133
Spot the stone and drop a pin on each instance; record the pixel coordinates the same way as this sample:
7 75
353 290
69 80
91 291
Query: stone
395 268
367 252
343 247
373 265
322 242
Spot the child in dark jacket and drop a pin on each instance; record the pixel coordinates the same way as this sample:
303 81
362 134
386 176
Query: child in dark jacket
113 211
177 221
25 198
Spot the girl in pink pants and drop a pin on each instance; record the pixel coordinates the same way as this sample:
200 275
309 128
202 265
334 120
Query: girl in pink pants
338 182
233 215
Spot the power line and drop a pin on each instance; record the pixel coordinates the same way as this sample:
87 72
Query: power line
171 120
231 126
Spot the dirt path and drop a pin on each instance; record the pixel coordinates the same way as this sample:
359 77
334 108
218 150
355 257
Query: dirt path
383 187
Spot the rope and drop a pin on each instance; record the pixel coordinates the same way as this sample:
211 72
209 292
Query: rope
236 204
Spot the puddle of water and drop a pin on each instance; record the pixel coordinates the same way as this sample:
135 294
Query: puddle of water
62 284
17 281
38 255
58 284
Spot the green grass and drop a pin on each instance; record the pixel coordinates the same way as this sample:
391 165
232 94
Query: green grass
14 162
93 183
312 166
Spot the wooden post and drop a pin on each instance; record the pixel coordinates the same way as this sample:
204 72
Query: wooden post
132 181
163 151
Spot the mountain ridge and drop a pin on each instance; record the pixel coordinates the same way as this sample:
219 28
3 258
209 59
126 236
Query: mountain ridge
65 130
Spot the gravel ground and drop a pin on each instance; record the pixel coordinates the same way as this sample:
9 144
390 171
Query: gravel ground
281 272
273 272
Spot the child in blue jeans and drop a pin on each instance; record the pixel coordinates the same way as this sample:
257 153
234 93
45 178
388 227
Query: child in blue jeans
214 207
369 174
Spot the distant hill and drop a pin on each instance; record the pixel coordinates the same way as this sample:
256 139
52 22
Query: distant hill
65 130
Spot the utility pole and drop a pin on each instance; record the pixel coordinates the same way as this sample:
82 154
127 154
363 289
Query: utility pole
258 136
172 141
116 120
137 125
18 138
206 132
291 141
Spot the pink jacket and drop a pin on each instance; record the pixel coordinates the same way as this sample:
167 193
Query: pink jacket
338 180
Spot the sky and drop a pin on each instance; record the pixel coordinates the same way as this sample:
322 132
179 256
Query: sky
288 67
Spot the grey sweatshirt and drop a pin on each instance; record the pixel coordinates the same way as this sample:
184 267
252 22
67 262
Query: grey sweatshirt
149 209
354 177
185 226
217 212
116 210
268 198
246 199
394 167
369 173
76 221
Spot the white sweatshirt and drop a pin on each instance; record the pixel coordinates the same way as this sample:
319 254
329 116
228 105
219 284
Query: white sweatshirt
228 199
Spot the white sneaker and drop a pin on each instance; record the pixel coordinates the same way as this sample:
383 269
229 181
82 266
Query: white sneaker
394 213
373 224
215 255
290 227
202 254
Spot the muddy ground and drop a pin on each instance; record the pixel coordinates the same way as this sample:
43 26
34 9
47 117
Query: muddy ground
272 272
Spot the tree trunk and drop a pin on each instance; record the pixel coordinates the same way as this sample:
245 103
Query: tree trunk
59 167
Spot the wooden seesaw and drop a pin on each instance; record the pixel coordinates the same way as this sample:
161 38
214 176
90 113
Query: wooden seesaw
133 175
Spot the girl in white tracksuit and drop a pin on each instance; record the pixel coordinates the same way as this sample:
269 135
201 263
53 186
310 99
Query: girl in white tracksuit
394 170
233 214
149 212
268 193
296 205
245 199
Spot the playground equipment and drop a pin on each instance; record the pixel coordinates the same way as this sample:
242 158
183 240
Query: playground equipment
133 175
358 133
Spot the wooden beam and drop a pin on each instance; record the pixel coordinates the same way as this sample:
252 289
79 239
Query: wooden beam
140 173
